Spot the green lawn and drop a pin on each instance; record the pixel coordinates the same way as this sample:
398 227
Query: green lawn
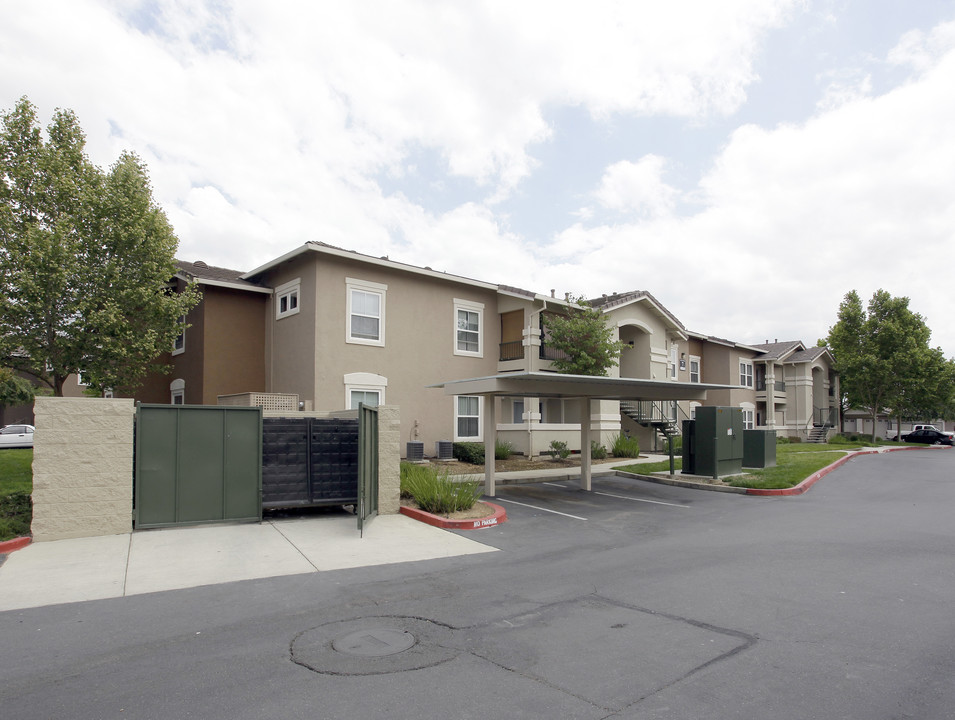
16 484
794 463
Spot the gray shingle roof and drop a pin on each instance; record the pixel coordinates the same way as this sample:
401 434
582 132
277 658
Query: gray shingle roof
200 271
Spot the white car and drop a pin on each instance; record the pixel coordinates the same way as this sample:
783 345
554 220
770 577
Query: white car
16 436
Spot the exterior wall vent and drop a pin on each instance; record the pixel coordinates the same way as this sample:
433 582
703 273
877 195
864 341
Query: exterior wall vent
415 451
443 450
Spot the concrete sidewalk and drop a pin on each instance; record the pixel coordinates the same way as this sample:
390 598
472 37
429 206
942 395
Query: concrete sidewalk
146 561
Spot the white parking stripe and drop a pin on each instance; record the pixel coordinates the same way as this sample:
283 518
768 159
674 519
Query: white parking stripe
655 502
535 507
555 485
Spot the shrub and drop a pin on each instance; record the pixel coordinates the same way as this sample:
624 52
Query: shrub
623 446
597 451
502 450
435 491
16 512
558 449
677 441
469 452
839 440
781 440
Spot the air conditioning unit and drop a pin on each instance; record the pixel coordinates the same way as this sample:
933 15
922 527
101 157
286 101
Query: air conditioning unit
443 450
415 451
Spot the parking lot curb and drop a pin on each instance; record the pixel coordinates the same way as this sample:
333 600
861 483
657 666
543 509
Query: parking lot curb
819 474
8 546
499 516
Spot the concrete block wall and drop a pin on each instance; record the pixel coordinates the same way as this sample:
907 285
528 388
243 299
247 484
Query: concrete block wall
389 459
82 467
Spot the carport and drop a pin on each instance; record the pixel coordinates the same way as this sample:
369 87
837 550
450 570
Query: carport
584 388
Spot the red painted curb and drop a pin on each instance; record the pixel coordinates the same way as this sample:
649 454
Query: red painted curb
497 518
811 480
16 544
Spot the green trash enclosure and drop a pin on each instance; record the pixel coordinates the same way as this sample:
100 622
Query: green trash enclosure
197 464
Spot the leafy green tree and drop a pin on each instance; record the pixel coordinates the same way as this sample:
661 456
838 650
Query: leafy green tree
14 390
584 338
884 360
85 259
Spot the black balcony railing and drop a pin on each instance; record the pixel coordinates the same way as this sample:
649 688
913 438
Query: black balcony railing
512 350
549 353
778 386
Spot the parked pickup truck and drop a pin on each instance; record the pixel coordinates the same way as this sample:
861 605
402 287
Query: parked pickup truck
931 427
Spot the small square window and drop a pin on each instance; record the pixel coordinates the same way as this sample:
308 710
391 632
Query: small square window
287 299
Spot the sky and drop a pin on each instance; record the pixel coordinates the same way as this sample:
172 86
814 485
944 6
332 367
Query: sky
748 162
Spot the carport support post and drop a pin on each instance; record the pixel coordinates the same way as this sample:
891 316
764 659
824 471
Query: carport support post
585 443
490 440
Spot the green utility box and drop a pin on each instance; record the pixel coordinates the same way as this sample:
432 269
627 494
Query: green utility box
717 446
759 448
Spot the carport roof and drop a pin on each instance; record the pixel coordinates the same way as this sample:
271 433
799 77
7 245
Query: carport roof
557 385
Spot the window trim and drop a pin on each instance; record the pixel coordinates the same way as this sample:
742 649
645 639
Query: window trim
364 382
177 389
748 410
746 374
292 290
470 307
353 285
699 368
480 420
182 335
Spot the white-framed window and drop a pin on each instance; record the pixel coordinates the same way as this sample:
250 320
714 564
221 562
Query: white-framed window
364 387
366 312
467 417
179 344
673 365
468 328
288 298
80 380
694 369
693 407
371 398
177 392
749 416
745 373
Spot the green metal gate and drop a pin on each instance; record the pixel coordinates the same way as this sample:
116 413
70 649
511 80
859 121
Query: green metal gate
367 465
197 464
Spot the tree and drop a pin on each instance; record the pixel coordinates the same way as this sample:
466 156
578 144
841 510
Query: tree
585 339
884 359
14 390
85 259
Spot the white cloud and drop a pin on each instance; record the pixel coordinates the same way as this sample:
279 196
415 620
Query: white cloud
858 197
637 187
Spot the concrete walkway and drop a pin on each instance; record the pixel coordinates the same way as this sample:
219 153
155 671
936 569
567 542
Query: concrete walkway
146 561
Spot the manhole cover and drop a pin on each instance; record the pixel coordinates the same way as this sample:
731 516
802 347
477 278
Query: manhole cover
378 642
373 646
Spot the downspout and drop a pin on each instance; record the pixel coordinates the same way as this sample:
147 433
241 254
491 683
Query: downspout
530 329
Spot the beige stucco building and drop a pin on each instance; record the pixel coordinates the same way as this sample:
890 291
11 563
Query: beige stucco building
331 328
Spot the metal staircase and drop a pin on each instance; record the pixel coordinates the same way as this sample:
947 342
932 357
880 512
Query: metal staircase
819 434
664 417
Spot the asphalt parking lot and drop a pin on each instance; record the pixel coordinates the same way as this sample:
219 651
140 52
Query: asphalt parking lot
632 601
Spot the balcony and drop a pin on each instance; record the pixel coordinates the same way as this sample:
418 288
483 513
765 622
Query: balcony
512 351
515 351
778 387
